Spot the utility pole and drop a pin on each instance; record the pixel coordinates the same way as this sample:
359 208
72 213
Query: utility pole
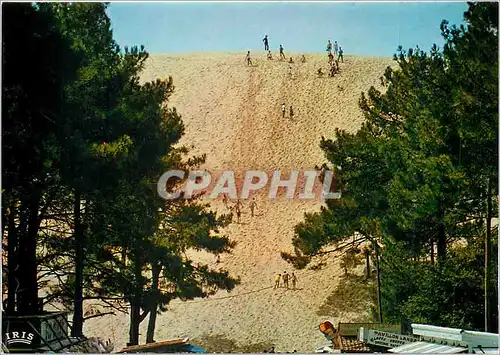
379 292
486 258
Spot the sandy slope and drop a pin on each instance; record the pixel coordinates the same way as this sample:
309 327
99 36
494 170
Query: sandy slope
232 113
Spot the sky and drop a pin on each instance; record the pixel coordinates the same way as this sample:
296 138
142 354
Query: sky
362 28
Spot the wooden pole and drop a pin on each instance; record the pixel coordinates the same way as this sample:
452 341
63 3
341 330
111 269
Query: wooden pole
379 295
486 258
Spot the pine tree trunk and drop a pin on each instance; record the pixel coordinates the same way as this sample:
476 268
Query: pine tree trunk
432 251
487 246
28 284
441 240
77 328
367 256
135 311
12 261
379 292
124 256
135 304
154 307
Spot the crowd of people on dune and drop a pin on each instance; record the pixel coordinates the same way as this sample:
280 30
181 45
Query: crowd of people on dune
237 208
335 56
282 280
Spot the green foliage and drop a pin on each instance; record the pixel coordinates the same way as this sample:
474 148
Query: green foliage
448 295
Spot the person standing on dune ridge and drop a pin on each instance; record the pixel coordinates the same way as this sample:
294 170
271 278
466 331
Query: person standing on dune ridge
266 43
282 53
249 60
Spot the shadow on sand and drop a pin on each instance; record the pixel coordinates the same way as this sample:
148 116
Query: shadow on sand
353 294
220 343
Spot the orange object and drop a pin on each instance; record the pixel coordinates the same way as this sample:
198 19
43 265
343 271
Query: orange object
323 327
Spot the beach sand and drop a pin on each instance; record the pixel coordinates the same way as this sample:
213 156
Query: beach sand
232 113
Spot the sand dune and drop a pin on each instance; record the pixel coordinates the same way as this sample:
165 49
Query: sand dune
233 114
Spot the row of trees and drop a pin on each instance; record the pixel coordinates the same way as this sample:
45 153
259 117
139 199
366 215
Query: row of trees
419 181
84 143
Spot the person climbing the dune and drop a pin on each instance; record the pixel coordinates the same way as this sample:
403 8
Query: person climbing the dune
253 204
285 279
248 59
293 278
282 53
266 43
224 200
330 58
291 112
291 60
238 213
283 109
332 70
341 55
237 209
269 55
238 204
277 281
303 58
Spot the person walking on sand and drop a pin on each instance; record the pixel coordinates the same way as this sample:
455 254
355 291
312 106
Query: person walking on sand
293 278
285 279
341 55
277 281
335 48
266 43
282 54
238 213
248 59
303 58
283 109
253 204
237 208
329 47
291 112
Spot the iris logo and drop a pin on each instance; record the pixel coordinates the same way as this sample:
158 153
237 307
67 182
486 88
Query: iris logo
18 337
